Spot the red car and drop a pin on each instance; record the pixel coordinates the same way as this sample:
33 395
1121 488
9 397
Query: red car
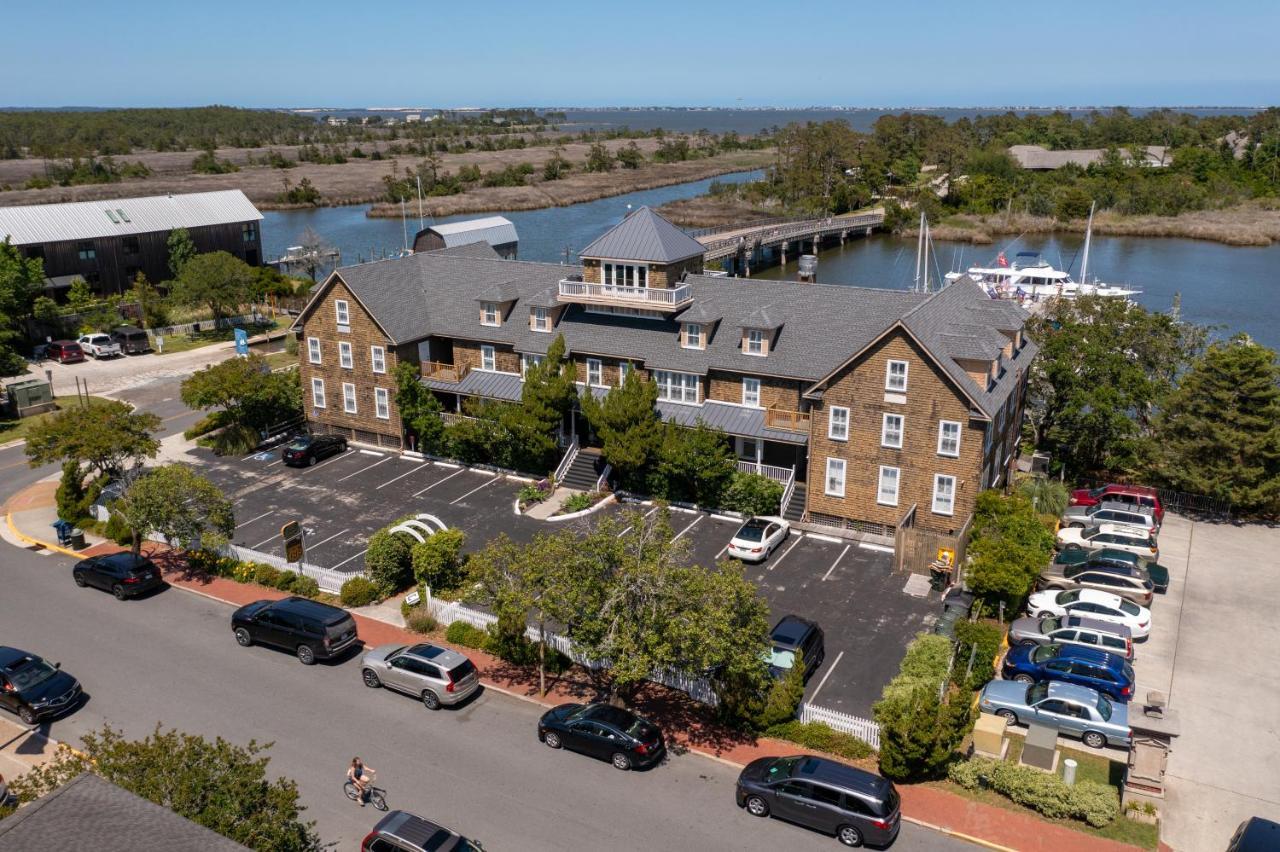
1139 495
65 352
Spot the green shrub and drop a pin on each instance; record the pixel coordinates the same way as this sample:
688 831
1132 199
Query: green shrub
752 494
205 425
421 621
71 493
1090 801
118 530
919 733
986 638
784 696
437 562
235 439
464 634
286 580
531 493
579 502
507 641
306 587
265 575
359 591
925 664
389 561
821 737
290 344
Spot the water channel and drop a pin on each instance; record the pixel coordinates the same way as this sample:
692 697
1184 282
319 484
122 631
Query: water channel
1235 288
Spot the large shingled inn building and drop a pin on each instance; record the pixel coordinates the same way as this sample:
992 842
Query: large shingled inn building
872 401
107 243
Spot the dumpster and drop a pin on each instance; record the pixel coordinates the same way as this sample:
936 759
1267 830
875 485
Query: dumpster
30 397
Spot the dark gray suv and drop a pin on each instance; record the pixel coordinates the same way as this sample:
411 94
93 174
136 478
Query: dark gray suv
855 806
401 831
312 630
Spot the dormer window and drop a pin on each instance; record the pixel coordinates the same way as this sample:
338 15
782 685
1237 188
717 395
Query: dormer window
489 314
755 342
539 319
693 336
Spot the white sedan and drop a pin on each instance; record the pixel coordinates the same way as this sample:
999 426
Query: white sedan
758 537
1092 603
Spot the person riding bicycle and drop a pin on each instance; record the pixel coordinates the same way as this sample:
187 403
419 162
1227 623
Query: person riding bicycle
360 776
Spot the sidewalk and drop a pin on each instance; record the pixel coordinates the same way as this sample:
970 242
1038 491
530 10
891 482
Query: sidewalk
686 723
22 748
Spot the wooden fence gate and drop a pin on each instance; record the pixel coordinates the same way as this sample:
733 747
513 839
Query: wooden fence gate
915 549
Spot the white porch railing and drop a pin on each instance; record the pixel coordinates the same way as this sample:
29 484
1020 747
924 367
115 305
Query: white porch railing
864 729
329 580
603 479
768 471
614 294
566 462
788 492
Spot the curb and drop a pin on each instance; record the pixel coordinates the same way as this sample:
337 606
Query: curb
612 498
969 838
35 542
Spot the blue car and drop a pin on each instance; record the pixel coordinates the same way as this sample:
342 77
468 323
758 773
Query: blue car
1106 673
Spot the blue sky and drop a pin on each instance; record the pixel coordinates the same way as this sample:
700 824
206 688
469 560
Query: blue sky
748 53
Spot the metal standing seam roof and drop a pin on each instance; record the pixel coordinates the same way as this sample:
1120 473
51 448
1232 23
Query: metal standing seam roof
87 220
644 235
494 230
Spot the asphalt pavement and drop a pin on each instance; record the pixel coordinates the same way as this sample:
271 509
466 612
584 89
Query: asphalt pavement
170 659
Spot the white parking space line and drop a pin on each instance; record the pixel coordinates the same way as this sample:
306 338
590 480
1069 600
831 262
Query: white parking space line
276 462
837 562
821 537
686 529
879 548
251 520
267 540
363 469
785 552
403 475
326 461
628 528
371 453
437 482
823 682
721 553
349 558
330 538
473 491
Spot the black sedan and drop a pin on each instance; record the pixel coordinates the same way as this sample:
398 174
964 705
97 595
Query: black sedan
33 688
122 574
603 731
309 449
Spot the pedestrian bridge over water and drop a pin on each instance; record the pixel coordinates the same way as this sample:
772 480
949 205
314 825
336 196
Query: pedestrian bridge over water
740 247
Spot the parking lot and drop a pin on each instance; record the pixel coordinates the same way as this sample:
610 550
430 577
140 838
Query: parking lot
848 588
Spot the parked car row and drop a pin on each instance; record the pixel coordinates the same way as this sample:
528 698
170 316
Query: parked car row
122 340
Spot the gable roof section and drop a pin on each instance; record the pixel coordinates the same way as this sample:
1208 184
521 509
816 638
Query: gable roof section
87 220
491 230
644 235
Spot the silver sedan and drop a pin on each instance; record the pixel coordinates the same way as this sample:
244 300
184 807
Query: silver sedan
1073 710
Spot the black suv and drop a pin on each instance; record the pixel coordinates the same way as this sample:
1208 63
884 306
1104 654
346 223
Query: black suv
122 574
309 449
401 831
34 688
791 634
855 806
312 630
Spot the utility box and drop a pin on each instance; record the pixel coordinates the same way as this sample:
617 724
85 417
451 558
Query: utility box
1041 747
988 737
30 397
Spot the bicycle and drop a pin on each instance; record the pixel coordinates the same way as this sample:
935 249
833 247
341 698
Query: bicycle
375 795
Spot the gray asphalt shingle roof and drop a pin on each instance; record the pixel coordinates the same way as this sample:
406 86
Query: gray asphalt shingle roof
644 235
89 812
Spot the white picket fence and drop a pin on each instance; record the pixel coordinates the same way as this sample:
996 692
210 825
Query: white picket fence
447 612
864 729
329 580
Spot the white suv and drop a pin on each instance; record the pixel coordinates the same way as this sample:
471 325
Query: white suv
1118 536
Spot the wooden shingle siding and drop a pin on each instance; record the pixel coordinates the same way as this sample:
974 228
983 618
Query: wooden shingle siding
930 398
727 387
467 353
364 333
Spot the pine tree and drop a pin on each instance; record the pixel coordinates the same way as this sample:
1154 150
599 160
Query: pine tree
419 409
628 425
1220 430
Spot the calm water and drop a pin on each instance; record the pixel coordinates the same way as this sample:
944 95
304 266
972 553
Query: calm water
1237 288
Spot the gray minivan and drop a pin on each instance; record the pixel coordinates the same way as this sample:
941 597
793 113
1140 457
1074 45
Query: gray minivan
132 340
853 805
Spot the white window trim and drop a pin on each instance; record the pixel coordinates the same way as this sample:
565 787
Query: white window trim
317 399
595 365
897 485
684 336
831 423
374 353
624 370
349 388
342 313
884 430
488 353
313 351
745 380
942 426
346 357
764 343
615 265
381 404
826 482
544 318
697 386
951 509
485 307
888 376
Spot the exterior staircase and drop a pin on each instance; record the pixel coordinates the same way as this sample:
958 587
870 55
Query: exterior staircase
585 470
795 509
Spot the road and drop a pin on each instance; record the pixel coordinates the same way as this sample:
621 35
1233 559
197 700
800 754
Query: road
170 659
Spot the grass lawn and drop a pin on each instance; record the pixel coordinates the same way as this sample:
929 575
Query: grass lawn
16 430
278 360
187 342
1090 767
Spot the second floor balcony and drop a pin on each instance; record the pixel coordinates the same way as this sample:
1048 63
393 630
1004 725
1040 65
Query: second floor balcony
648 298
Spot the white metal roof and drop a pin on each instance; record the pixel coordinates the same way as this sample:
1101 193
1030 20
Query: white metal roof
86 220
494 230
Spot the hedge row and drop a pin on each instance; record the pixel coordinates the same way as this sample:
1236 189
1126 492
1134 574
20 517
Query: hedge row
217 565
821 737
1090 801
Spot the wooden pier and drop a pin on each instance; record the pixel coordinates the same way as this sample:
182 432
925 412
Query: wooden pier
740 247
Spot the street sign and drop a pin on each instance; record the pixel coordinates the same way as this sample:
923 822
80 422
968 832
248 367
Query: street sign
291 530
293 550
242 341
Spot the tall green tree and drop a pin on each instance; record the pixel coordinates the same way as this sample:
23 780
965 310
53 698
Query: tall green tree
247 390
547 397
1008 547
181 249
107 437
695 464
218 784
177 503
20 281
629 427
419 409
217 279
1219 432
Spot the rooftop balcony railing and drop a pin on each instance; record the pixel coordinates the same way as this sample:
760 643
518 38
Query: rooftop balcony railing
651 298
